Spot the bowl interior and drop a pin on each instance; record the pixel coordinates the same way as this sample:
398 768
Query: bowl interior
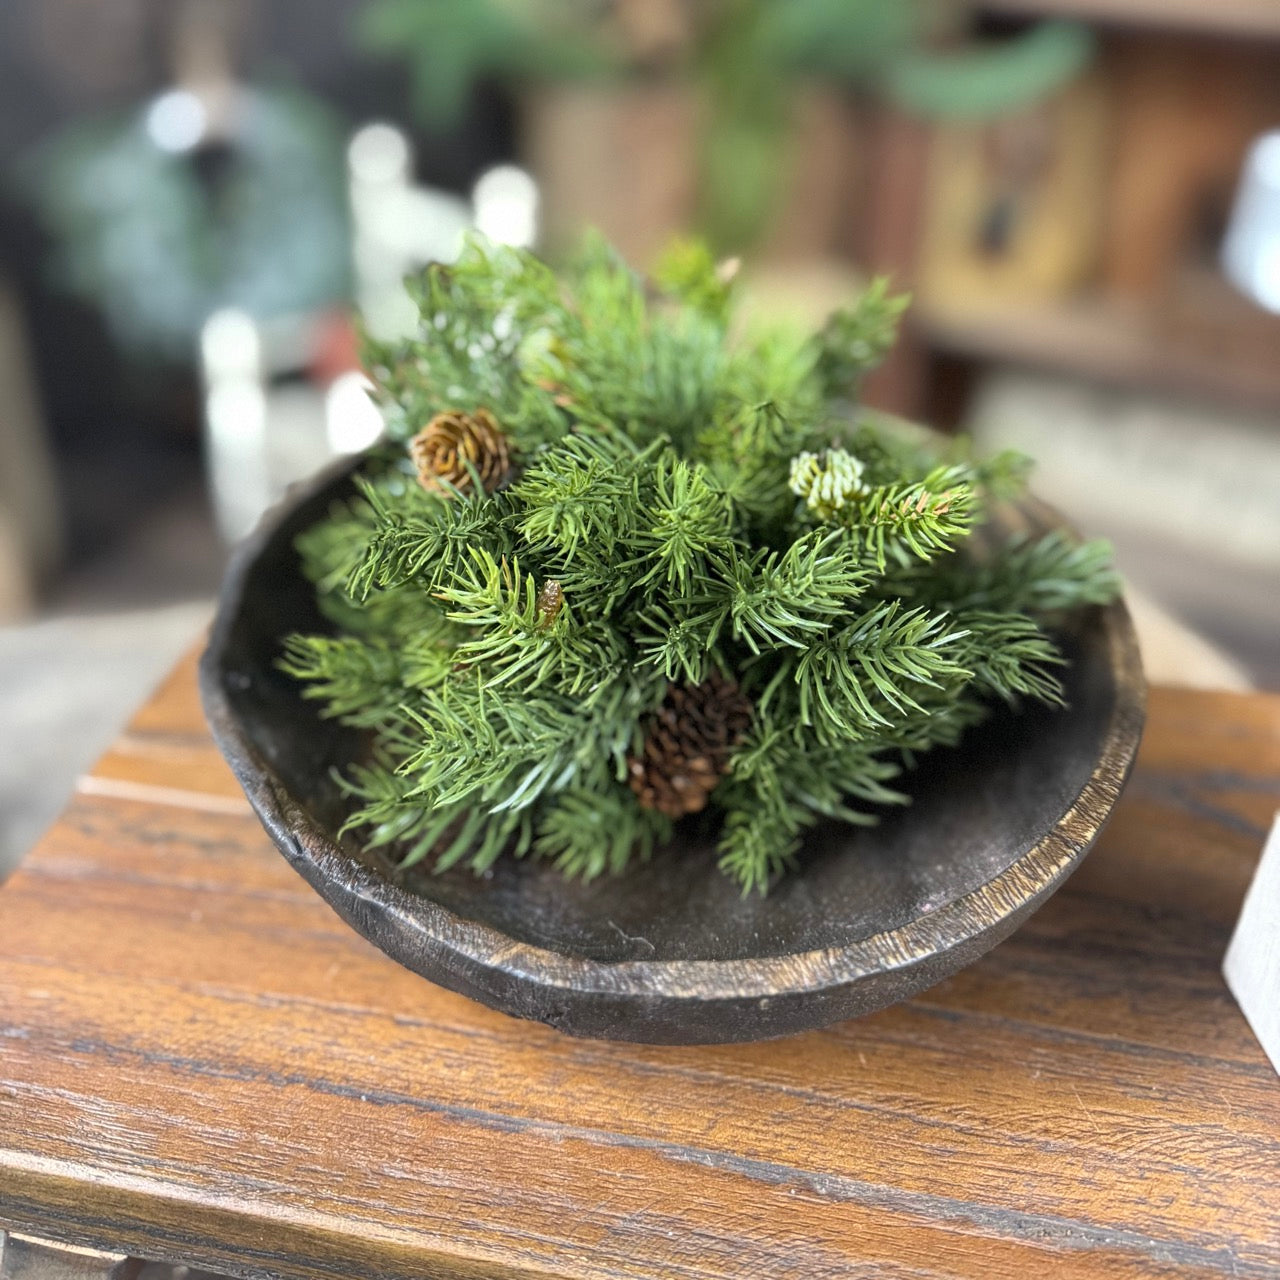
977 809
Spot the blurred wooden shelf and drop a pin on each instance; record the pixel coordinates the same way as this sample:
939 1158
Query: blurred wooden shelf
1104 342
1255 18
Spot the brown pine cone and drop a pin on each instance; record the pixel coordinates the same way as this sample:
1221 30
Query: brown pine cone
687 745
442 449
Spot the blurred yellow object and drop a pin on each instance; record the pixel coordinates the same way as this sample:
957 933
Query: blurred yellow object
801 293
1012 205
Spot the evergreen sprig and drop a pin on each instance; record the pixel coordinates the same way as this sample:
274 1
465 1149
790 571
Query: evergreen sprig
683 501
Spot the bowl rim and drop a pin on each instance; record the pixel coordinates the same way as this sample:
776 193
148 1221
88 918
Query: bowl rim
1009 894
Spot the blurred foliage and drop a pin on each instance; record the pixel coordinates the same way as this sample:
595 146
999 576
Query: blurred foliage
985 81
160 240
689 272
908 52
747 56
450 44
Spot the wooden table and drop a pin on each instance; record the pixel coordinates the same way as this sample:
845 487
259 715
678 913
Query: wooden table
200 1063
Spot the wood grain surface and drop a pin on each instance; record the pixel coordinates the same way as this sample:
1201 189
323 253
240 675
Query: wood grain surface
200 1063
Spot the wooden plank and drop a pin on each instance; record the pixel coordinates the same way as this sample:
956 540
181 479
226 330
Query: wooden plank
1259 18
1104 341
165 754
264 920
248 1117
889 244
1190 830
200 1062
174 708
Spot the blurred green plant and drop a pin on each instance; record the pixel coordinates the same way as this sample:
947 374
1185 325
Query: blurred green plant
746 55
158 245
450 44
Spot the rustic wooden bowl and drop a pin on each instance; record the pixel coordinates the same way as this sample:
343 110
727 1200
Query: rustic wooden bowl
671 953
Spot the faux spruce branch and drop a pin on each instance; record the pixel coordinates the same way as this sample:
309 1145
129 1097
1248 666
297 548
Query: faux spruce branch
617 563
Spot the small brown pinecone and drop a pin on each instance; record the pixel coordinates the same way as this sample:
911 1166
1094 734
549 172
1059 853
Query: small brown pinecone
550 602
442 449
687 744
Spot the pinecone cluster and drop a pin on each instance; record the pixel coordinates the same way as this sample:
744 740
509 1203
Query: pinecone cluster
451 440
687 745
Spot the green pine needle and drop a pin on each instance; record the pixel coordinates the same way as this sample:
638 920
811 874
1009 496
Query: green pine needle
683 501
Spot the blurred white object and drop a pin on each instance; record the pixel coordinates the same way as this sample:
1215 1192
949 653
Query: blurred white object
400 226
397 226
230 347
264 427
235 413
177 121
1252 965
352 420
379 155
1251 250
505 200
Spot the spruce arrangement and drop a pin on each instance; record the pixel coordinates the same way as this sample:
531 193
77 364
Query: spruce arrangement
617 563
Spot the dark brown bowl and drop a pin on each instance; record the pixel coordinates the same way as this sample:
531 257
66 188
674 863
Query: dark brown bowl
670 952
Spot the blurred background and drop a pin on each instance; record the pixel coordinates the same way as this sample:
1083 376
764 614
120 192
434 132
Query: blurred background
1082 195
